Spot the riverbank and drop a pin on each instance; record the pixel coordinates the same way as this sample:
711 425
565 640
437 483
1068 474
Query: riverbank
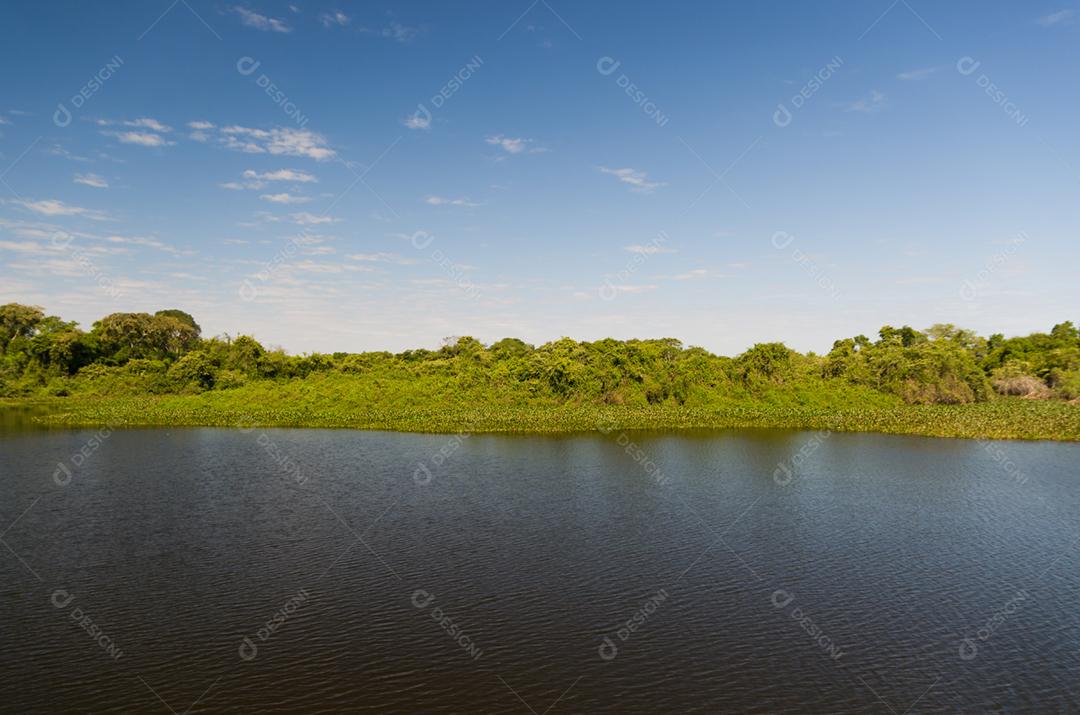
1006 418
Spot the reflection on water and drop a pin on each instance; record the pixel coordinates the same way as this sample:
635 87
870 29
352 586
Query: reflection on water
320 571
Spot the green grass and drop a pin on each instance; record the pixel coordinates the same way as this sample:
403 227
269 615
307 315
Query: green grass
329 402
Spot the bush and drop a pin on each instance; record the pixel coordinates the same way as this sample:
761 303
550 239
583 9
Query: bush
194 372
1011 379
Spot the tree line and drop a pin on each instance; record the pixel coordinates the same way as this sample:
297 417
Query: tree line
165 353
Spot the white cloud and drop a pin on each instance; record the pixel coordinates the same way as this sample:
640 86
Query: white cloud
58 150
140 138
32 247
5 120
94 180
638 180
334 18
870 104
260 22
200 133
647 250
443 201
513 145
285 198
142 241
242 185
381 258
278 141
316 267
304 218
1055 17
633 288
53 207
416 122
148 123
917 74
281 175
689 275
400 33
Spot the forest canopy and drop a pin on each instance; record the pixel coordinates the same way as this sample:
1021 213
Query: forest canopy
165 353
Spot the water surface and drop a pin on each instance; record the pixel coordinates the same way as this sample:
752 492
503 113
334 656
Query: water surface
706 572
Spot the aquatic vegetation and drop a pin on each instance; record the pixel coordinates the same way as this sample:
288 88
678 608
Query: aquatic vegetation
142 369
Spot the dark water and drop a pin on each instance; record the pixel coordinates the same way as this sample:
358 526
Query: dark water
486 581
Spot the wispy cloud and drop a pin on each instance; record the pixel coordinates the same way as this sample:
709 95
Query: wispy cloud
148 123
628 288
301 177
94 180
638 180
140 138
143 241
1055 18
283 141
338 18
870 104
381 258
285 198
443 201
647 250
199 131
58 150
416 121
303 218
54 207
514 145
260 22
401 33
687 276
914 75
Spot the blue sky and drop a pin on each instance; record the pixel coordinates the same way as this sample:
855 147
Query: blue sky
351 176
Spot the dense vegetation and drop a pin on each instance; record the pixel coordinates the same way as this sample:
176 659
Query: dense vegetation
158 369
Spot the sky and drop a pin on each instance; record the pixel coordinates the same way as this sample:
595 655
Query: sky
335 176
